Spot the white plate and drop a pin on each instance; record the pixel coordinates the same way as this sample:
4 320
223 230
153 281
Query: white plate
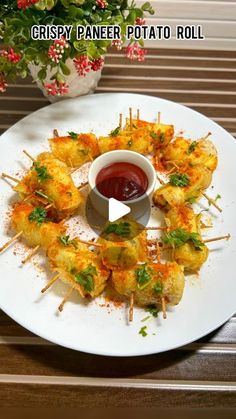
208 301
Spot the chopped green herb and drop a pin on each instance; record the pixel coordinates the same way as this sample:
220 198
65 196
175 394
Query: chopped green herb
114 132
42 172
130 142
158 287
143 277
162 137
73 135
217 197
179 237
153 135
39 215
145 318
39 193
192 147
121 229
85 278
64 240
143 331
152 310
179 179
191 200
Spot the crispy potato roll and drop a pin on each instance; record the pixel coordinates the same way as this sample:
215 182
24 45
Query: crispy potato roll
124 244
79 267
189 255
150 282
199 178
138 140
50 177
183 151
37 231
75 150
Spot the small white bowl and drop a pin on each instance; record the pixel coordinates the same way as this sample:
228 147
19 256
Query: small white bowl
100 202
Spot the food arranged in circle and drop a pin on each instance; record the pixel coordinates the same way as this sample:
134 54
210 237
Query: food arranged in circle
122 255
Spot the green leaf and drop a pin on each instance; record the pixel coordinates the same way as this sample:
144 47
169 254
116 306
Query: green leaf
179 179
121 229
42 172
143 276
42 74
192 147
152 310
143 331
180 236
114 132
158 287
73 135
38 215
85 278
64 68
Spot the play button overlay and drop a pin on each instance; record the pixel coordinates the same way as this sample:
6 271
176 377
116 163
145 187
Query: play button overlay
116 210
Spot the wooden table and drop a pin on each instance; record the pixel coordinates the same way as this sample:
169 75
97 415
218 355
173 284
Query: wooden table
202 374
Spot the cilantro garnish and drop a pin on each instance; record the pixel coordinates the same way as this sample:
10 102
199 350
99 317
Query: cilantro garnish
85 278
158 287
42 172
130 142
153 135
145 319
40 193
162 137
143 276
179 179
143 331
39 215
179 237
114 132
73 135
64 240
191 200
121 229
217 197
192 147
152 310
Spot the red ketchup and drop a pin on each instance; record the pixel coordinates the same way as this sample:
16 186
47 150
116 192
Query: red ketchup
122 181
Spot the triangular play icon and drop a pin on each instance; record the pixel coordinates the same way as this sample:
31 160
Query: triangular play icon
117 210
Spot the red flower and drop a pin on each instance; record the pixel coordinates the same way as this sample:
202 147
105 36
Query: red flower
101 3
56 89
57 49
3 84
117 43
97 64
82 65
135 52
140 21
11 55
23 4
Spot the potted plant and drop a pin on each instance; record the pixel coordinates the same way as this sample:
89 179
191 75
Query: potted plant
63 67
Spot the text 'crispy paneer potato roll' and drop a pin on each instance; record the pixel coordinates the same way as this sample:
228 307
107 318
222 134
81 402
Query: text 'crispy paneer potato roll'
185 238
50 178
150 282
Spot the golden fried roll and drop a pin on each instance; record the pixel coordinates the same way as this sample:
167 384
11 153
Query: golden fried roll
37 231
79 267
161 134
150 282
183 222
75 150
138 140
183 151
51 178
198 179
124 244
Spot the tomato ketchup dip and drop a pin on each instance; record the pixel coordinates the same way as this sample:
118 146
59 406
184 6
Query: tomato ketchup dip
122 180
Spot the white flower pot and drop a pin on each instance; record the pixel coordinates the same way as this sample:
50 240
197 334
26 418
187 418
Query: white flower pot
78 85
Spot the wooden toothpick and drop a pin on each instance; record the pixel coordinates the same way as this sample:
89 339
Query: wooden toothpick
50 283
29 156
12 240
65 299
131 307
29 256
5 175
